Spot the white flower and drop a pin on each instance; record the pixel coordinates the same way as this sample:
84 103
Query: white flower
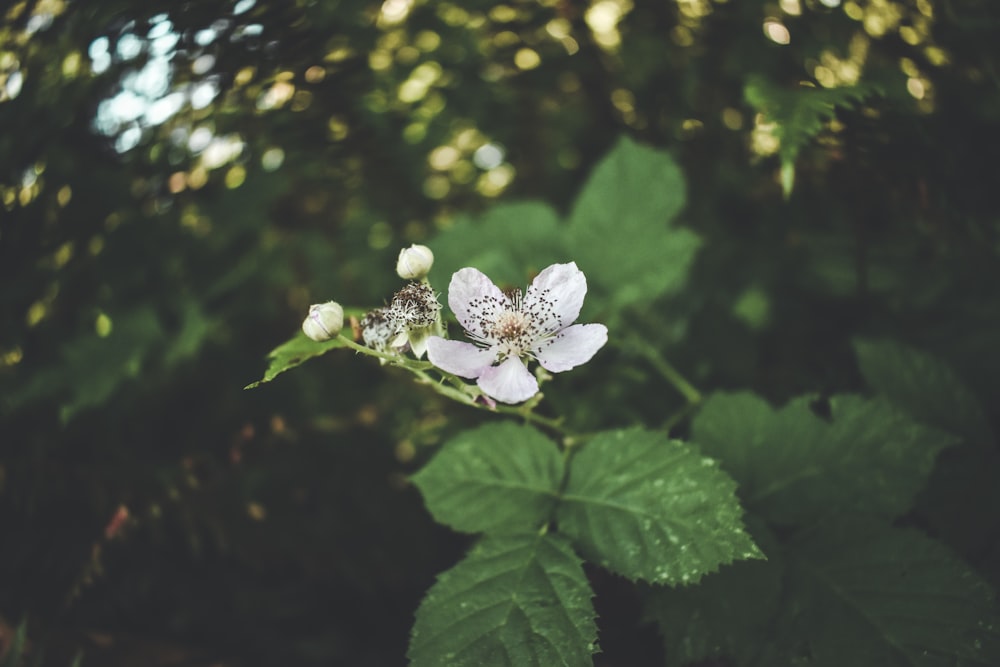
507 328
414 262
324 321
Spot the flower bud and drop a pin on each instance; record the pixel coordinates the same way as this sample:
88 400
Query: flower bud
414 262
324 321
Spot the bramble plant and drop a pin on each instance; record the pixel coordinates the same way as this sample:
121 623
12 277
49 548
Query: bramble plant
766 537
689 357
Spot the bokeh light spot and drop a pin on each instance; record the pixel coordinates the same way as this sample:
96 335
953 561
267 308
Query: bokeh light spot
791 7
427 41
443 157
272 159
36 313
527 59
235 176
488 156
776 31
437 186
732 119
103 325
177 182
380 235
315 74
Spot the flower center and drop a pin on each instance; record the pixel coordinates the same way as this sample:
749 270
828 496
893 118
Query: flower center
511 325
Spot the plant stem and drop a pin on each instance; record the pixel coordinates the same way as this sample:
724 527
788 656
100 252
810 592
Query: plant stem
395 359
527 415
666 369
455 389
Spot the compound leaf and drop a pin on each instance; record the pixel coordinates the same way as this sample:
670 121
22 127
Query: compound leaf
794 466
865 593
924 387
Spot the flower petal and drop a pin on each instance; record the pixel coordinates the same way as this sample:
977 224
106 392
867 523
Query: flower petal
555 296
463 359
510 382
571 347
471 296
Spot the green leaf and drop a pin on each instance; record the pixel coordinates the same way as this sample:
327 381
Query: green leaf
186 343
509 243
849 591
799 114
794 467
869 594
92 367
924 387
519 600
621 228
651 508
498 477
725 615
292 353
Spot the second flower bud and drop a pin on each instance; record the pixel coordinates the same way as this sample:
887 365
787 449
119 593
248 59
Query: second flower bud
324 321
415 262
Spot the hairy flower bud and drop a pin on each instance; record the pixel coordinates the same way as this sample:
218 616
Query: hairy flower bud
324 321
414 262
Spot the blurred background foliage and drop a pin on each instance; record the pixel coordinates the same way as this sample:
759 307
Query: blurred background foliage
179 181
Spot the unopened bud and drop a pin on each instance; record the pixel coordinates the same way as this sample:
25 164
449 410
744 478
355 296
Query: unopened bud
324 321
414 262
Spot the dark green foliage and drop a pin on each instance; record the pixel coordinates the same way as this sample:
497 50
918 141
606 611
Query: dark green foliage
847 591
800 115
842 587
795 467
149 506
509 243
924 387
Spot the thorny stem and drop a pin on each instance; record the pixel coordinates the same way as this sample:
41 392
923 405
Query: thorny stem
395 359
455 390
